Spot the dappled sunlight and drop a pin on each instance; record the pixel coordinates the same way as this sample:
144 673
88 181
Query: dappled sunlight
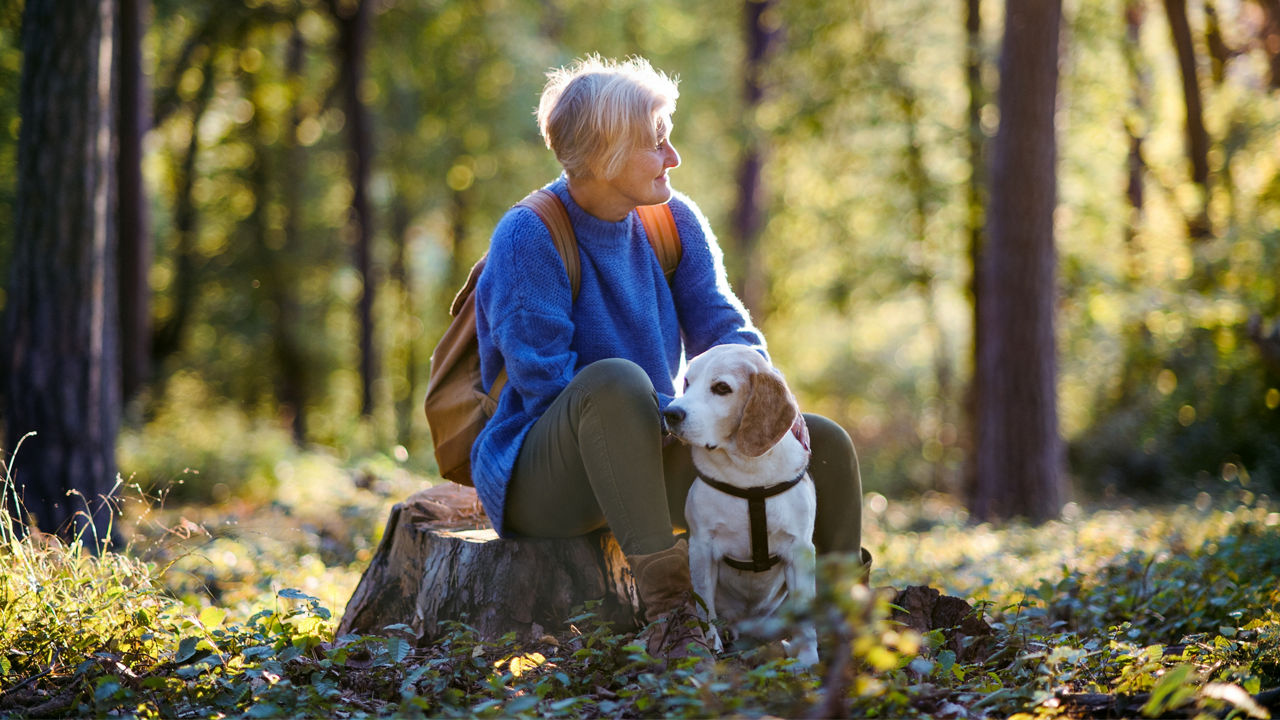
930 543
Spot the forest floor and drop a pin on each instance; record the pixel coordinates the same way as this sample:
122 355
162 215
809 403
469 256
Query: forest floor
229 609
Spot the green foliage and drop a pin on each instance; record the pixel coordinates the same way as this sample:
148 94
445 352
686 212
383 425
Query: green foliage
1172 608
1205 409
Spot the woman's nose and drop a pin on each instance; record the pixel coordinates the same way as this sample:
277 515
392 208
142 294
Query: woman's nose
672 158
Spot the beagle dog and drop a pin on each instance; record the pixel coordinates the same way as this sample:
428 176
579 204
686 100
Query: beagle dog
751 509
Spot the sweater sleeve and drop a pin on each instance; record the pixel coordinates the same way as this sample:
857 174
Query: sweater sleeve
524 313
710 312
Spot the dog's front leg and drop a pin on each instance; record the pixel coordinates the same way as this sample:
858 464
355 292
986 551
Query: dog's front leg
704 572
798 570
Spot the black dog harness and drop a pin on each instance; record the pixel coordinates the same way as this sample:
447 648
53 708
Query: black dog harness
761 560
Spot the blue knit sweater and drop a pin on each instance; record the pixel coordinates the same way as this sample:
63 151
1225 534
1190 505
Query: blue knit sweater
528 321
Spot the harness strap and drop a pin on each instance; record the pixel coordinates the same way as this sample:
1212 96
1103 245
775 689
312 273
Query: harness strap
761 560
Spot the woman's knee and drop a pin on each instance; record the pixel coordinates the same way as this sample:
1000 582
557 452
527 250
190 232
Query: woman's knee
616 382
830 441
834 468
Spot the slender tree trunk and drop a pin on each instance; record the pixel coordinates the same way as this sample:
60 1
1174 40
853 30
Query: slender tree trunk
169 336
1019 452
459 221
402 277
353 40
1198 226
62 323
1269 38
920 184
748 215
974 220
1219 53
134 218
1134 125
294 371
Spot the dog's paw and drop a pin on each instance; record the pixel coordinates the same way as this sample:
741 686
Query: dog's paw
804 651
713 638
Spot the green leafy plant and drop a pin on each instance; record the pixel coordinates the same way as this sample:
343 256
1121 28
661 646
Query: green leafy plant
1136 612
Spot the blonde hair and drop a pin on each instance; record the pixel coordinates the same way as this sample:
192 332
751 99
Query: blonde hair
594 112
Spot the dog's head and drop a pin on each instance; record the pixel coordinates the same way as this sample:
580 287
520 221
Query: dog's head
733 400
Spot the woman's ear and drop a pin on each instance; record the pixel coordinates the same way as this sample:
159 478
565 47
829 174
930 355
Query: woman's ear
768 415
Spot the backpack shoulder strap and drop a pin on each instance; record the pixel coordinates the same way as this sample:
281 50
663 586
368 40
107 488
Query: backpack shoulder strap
549 208
660 227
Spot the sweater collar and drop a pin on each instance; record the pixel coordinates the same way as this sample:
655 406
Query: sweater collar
589 228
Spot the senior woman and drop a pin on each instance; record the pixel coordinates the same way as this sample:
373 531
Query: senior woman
576 442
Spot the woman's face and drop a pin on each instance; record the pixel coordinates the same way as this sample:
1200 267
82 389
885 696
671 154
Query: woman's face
643 179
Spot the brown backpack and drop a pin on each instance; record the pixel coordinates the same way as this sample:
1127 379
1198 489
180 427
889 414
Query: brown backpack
457 406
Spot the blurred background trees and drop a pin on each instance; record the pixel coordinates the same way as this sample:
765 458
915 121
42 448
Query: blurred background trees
317 175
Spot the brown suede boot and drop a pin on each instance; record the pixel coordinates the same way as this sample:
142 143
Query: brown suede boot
666 594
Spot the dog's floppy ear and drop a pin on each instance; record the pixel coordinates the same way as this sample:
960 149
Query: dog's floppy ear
768 415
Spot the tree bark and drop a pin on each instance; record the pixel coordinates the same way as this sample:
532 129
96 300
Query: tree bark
134 217
1018 451
406 399
976 201
353 40
437 563
61 322
1197 137
748 215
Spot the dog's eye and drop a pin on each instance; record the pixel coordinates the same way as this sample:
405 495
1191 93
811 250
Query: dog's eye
721 388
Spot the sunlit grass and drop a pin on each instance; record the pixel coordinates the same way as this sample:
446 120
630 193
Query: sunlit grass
930 542
230 608
62 605
316 532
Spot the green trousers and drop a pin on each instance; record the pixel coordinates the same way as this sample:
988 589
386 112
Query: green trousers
597 458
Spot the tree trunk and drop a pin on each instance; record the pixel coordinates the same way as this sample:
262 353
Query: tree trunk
436 564
1135 128
62 324
1018 450
353 41
748 215
134 218
170 335
294 375
1197 137
1219 53
917 179
1269 39
406 398
974 222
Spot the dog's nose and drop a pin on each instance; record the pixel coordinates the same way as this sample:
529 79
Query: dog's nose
673 416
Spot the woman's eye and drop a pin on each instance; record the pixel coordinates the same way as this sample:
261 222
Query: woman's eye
721 388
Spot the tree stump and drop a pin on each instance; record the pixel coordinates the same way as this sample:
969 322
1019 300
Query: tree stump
439 561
